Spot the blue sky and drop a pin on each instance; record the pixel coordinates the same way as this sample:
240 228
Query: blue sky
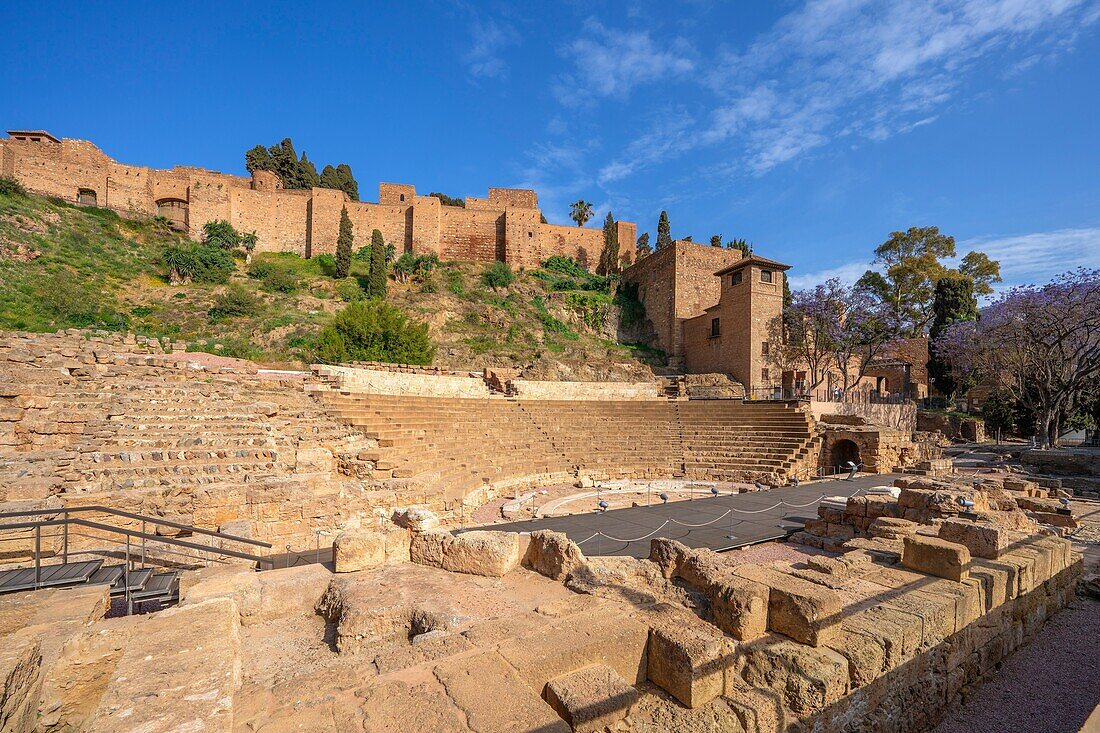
810 128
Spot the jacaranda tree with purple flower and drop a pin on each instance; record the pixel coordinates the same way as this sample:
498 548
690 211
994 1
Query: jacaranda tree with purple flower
1040 343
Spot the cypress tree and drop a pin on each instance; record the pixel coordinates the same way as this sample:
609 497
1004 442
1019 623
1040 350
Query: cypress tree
664 232
716 240
343 245
609 256
643 245
347 181
307 173
954 302
377 280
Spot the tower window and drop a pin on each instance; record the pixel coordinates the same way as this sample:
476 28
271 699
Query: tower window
715 327
735 278
766 276
765 348
764 374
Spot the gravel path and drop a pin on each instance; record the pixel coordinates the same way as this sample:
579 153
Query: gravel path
1049 685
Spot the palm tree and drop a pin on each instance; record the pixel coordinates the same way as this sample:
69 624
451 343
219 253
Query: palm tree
580 211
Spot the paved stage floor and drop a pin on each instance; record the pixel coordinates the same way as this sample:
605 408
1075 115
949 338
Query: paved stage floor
720 523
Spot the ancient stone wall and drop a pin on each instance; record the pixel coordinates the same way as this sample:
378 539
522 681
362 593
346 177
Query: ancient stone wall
526 389
898 417
505 226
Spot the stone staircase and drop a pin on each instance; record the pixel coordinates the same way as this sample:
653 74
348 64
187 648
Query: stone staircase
467 449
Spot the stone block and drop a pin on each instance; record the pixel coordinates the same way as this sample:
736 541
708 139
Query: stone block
240 584
934 556
427 548
290 592
705 569
482 553
809 679
740 608
689 662
592 698
494 698
359 549
803 610
669 555
552 554
983 540
20 673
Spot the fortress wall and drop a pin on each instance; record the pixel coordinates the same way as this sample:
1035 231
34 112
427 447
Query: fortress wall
583 244
278 218
518 198
471 235
522 238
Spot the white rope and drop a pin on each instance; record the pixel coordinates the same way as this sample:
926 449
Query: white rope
636 539
758 511
588 538
684 524
800 506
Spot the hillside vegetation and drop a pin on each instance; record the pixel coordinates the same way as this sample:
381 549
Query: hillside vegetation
63 266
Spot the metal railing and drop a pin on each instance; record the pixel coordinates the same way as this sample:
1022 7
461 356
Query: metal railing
135 540
852 396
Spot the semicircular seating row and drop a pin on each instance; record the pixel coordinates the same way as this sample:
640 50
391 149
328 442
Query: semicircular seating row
456 447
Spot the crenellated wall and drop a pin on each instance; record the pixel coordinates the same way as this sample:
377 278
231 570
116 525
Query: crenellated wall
506 226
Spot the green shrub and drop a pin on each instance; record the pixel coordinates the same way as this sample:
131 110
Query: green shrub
200 263
237 300
11 187
593 308
498 275
414 267
350 291
281 281
456 283
220 233
374 331
551 325
327 263
279 273
631 308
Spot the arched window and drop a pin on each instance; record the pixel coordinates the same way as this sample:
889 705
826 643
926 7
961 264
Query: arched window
175 211
86 196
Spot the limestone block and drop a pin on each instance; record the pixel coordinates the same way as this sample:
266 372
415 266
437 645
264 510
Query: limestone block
398 545
689 662
552 554
937 557
809 679
577 641
891 528
289 592
314 459
427 548
418 519
20 667
669 555
800 609
482 553
740 608
705 569
592 698
986 541
359 549
493 696
241 584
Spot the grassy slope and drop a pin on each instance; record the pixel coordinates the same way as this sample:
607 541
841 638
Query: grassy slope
95 269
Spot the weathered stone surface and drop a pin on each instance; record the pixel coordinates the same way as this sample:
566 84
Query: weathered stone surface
482 553
706 569
419 519
552 554
740 608
592 698
193 653
494 698
937 557
289 592
578 641
809 679
426 548
20 681
689 662
238 583
982 540
359 549
798 608
669 555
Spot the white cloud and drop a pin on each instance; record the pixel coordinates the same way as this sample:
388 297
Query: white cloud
488 39
1035 258
609 62
1039 257
832 70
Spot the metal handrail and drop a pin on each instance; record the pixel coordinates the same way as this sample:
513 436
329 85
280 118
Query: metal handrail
130 515
132 533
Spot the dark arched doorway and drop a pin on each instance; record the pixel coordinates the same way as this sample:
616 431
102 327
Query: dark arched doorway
175 211
844 450
86 196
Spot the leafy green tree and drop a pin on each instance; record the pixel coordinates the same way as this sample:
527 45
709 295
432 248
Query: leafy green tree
982 271
999 412
343 245
664 232
953 302
910 264
448 200
580 211
609 255
201 263
258 159
235 301
643 245
374 331
220 233
716 240
377 278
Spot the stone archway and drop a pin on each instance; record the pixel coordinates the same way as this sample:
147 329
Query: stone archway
86 196
175 211
844 450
